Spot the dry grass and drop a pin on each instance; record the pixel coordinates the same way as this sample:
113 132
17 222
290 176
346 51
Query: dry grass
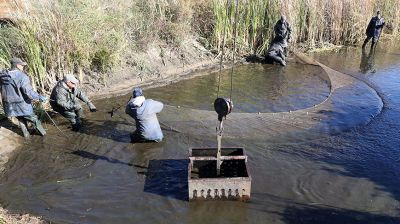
58 37
62 36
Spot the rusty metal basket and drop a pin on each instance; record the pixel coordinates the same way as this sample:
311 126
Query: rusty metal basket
233 182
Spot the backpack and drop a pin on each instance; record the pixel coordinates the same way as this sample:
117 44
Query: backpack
10 92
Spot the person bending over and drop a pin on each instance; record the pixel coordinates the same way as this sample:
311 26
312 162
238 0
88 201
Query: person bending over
65 97
144 111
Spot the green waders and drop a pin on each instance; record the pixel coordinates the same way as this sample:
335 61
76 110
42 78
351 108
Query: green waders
74 117
34 120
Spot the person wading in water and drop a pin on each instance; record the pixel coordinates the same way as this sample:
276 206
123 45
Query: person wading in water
17 95
374 29
144 111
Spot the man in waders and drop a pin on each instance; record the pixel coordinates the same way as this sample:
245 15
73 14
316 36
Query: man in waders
144 111
17 95
283 33
64 100
374 30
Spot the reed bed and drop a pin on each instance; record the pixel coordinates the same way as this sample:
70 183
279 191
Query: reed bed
63 36
314 22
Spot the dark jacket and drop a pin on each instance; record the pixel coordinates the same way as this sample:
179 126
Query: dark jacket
17 93
64 99
147 126
374 27
282 31
276 49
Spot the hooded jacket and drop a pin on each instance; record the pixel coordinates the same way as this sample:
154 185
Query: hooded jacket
145 115
17 93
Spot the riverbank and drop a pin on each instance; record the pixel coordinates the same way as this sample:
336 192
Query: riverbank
163 65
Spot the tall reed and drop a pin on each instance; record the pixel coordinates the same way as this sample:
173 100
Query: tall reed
63 36
314 22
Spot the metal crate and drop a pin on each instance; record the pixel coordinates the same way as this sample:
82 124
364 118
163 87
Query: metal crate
233 183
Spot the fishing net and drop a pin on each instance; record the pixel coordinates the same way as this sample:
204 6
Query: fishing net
350 103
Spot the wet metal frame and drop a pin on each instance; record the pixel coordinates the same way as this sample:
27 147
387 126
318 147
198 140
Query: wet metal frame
233 183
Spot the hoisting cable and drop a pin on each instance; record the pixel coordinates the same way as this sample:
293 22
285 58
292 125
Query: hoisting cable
224 106
222 47
234 45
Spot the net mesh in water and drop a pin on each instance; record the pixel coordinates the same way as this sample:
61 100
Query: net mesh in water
350 103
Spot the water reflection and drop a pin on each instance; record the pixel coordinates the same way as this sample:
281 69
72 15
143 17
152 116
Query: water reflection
367 63
256 88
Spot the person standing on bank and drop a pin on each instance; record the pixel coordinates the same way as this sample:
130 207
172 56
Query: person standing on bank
283 33
145 114
374 29
64 100
17 95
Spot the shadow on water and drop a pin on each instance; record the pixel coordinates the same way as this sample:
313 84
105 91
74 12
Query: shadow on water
92 156
330 215
168 178
115 130
256 59
7 124
259 59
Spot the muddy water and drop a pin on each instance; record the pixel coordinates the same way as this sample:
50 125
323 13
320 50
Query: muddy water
98 177
256 88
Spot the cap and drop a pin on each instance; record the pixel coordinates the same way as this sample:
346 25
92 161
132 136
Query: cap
17 61
71 78
137 91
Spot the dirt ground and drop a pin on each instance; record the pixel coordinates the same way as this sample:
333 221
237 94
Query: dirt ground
161 66
5 217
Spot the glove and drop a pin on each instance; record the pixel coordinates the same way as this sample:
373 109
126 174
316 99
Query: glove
92 108
43 99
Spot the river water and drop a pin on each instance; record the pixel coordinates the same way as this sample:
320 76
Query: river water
97 176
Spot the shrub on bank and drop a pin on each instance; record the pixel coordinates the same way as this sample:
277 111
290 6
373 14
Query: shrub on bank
61 36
